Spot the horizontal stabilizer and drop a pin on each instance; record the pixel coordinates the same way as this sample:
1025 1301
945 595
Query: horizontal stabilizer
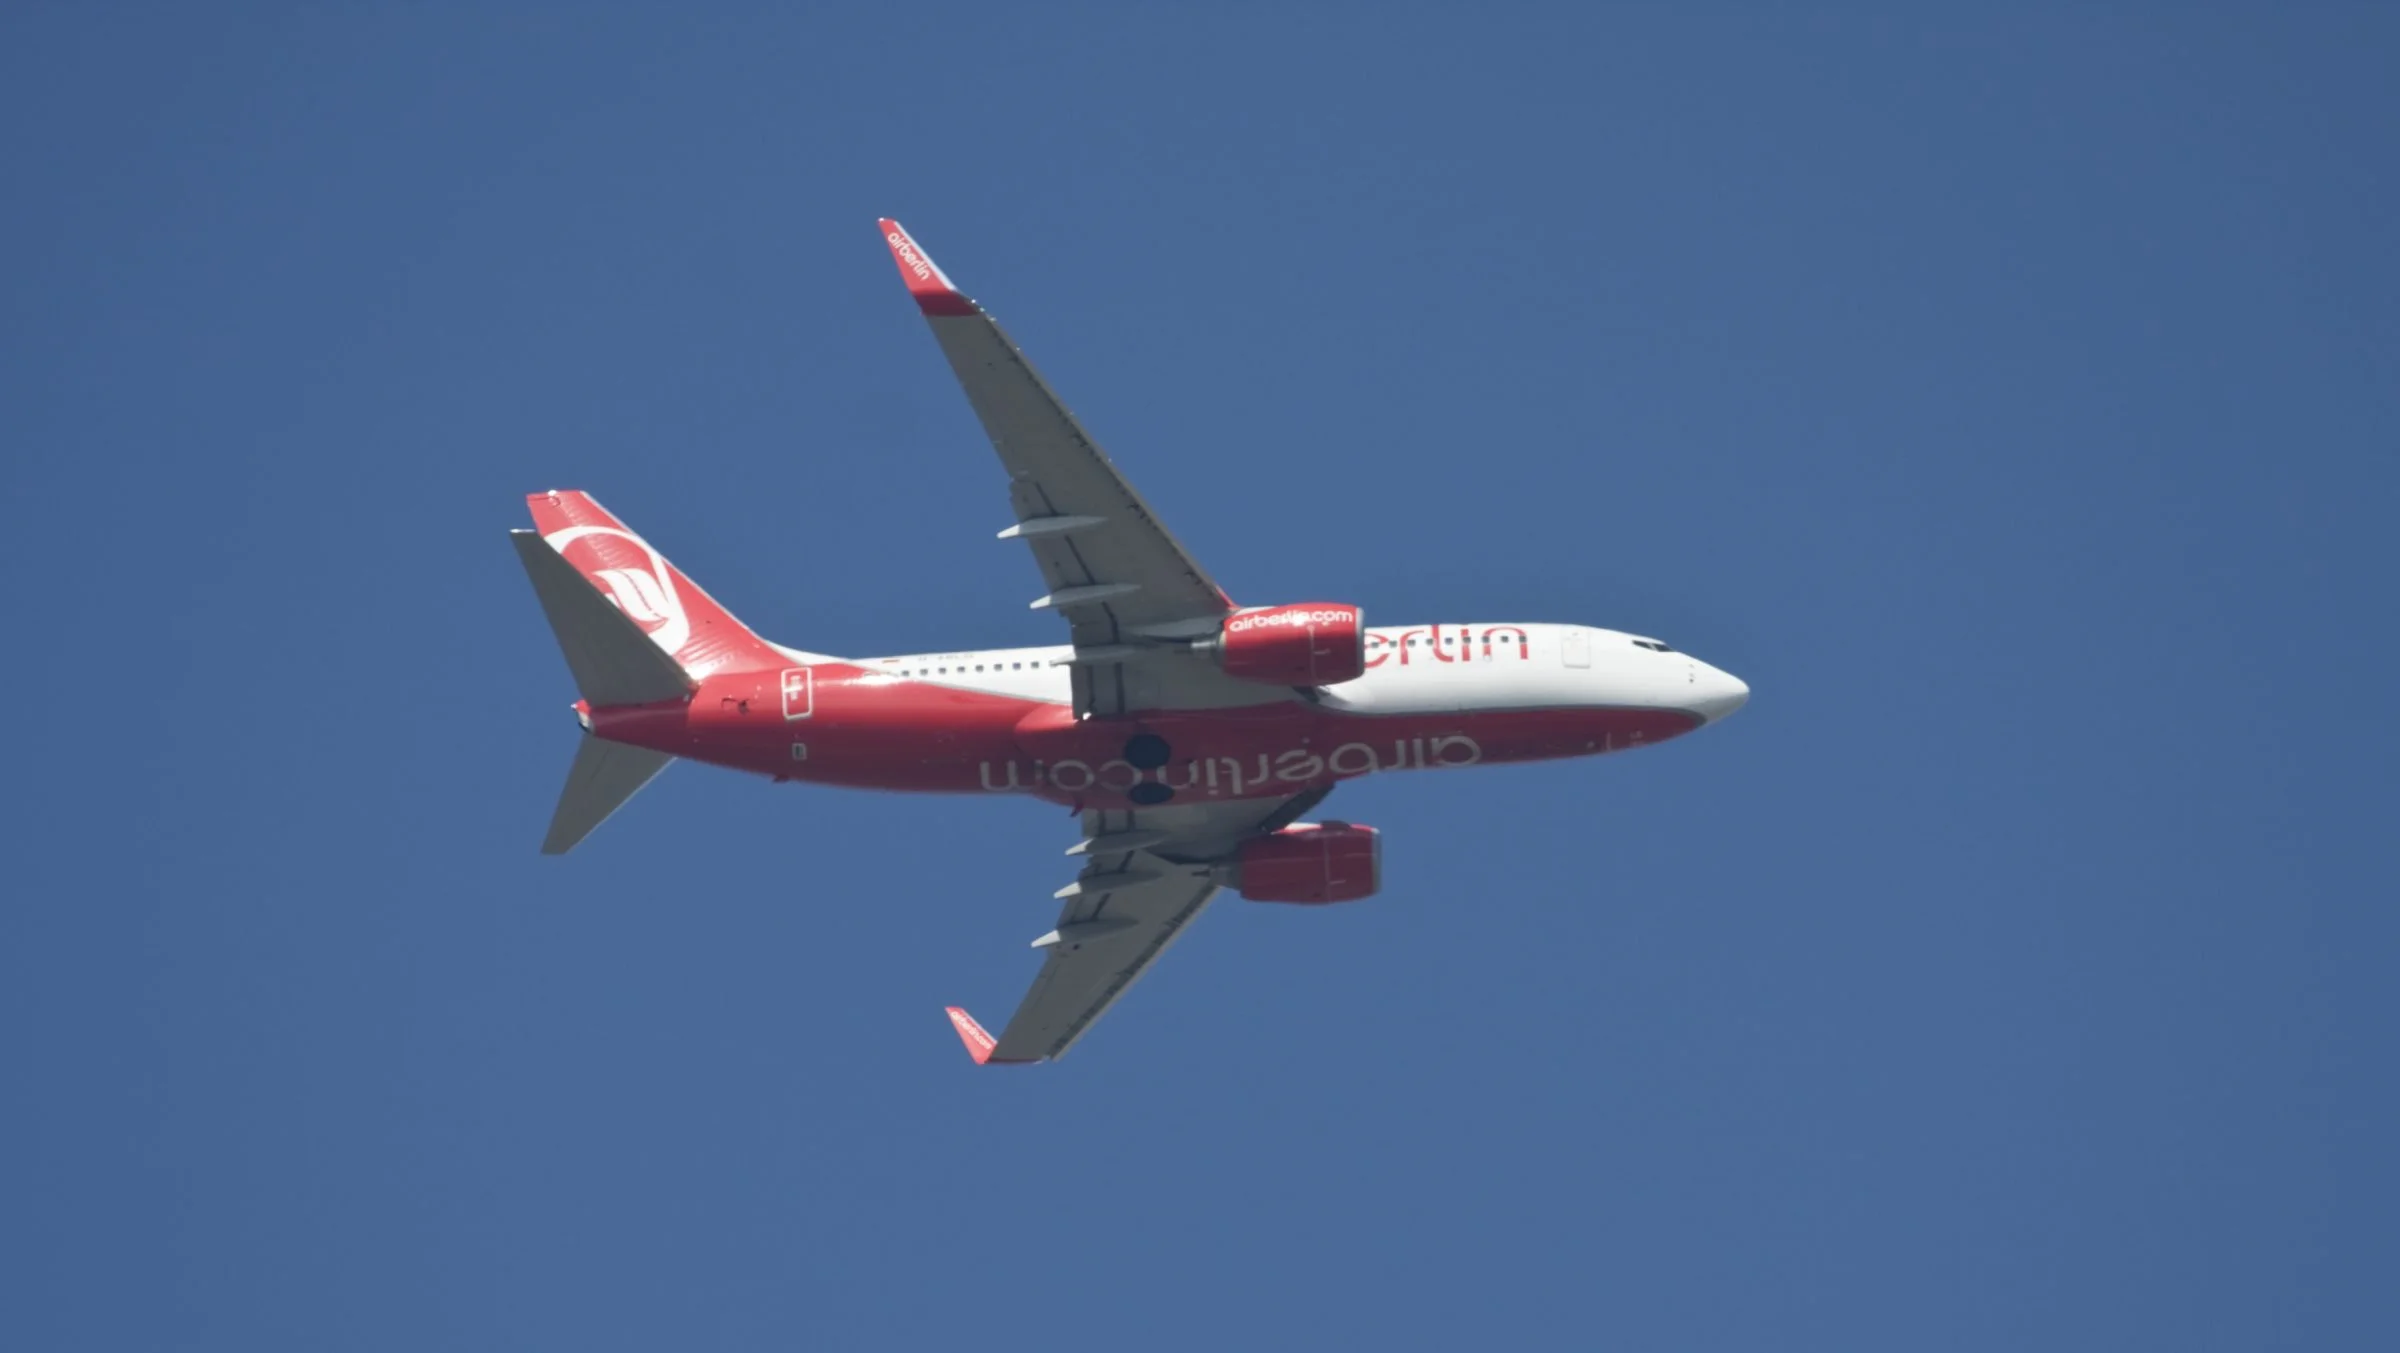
614 662
604 776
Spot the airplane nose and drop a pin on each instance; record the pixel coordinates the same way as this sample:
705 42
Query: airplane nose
1720 692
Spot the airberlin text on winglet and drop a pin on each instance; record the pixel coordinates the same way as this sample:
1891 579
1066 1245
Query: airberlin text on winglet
979 1043
933 290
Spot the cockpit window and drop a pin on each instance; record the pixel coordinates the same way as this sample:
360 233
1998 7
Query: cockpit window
1653 645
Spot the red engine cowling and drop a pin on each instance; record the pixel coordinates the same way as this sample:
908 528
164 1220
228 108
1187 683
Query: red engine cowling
1313 643
1312 863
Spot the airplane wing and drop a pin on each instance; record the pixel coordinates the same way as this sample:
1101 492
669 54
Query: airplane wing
1148 875
1109 565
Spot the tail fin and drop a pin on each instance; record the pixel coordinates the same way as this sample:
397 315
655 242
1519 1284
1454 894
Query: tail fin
604 776
614 662
635 631
684 622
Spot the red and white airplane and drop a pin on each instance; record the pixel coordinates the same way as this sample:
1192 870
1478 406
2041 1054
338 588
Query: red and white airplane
1188 733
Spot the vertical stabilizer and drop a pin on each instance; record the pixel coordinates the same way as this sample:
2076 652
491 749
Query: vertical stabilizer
685 622
613 661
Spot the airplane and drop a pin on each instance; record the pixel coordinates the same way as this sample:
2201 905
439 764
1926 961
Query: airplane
1188 734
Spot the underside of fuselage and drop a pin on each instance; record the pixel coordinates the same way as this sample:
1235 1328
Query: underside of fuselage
1434 698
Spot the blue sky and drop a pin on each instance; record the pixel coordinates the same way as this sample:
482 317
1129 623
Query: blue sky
2009 399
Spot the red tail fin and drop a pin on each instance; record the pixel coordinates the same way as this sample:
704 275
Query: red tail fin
700 635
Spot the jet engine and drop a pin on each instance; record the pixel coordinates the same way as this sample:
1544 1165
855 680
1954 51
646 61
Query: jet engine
1310 864
1311 643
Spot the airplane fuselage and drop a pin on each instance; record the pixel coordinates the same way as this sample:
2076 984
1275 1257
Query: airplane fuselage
1433 697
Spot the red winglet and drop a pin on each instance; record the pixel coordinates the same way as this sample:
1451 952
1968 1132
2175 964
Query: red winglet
979 1044
933 290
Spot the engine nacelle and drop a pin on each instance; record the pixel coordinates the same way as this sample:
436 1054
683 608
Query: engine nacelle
1310 864
1312 643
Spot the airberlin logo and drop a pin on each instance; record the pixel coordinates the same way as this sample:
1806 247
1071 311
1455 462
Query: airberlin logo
637 594
1233 776
1261 619
917 264
1459 644
614 559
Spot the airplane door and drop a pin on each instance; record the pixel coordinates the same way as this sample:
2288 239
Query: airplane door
1575 648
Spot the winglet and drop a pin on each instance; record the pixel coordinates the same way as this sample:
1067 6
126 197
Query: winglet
979 1044
933 289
